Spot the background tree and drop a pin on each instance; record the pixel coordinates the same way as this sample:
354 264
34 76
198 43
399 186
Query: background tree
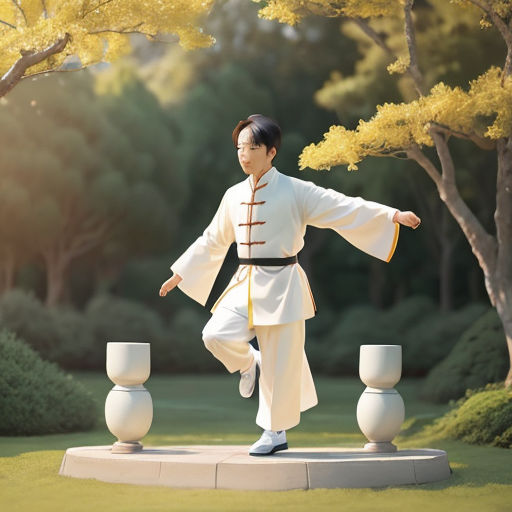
482 114
83 183
466 52
40 36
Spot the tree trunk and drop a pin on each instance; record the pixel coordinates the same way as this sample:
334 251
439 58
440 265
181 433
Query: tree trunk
448 241
505 314
9 272
56 269
503 217
494 254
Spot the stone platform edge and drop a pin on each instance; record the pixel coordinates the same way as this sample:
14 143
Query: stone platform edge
230 467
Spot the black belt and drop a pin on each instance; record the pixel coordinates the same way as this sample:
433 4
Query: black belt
269 262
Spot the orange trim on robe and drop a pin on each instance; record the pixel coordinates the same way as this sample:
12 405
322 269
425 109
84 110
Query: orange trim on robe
249 301
395 241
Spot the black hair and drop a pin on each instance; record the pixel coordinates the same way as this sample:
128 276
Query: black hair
264 131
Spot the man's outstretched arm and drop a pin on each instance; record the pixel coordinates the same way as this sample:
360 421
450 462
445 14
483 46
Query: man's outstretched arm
196 269
171 283
409 219
369 226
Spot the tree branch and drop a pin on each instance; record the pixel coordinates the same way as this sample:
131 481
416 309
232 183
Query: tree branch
127 30
447 165
96 8
507 68
8 24
28 59
483 245
363 25
88 240
481 142
21 10
60 70
132 30
45 10
415 153
505 30
379 41
411 45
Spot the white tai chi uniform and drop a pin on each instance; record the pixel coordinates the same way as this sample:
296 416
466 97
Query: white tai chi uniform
268 220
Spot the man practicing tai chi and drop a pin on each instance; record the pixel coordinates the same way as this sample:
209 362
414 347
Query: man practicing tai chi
269 295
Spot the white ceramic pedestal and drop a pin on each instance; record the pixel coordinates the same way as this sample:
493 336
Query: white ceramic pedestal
128 407
380 410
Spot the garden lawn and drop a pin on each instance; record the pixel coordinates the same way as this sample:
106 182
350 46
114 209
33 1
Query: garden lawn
207 410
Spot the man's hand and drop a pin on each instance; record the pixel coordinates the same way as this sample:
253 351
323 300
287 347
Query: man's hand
409 219
170 284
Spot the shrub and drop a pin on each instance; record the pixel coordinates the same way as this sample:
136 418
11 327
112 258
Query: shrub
317 331
37 397
75 349
115 319
407 313
58 334
425 334
483 416
22 313
430 340
480 356
360 325
190 353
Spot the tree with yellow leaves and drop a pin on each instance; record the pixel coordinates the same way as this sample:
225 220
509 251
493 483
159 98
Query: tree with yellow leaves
41 36
481 114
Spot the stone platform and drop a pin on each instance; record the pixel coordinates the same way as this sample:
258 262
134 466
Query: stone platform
230 467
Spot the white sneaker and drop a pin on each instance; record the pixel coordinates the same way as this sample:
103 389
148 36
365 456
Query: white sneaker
248 378
269 443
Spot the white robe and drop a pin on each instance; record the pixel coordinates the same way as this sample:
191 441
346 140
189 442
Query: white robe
269 221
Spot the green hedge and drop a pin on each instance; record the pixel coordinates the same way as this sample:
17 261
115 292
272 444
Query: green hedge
114 319
190 353
432 338
23 313
483 416
62 335
426 335
359 325
76 339
37 397
480 356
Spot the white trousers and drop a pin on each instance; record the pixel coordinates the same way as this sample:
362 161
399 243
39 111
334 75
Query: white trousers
286 385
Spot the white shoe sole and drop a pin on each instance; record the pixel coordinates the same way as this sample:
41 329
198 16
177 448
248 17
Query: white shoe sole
275 449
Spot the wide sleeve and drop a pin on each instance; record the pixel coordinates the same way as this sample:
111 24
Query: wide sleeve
365 224
200 263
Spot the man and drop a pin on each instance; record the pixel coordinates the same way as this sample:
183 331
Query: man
269 295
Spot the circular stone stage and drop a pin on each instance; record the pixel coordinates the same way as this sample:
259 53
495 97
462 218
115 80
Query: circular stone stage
230 467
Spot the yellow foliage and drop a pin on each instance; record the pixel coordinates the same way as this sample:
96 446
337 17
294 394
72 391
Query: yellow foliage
396 127
503 8
399 66
293 11
372 8
99 29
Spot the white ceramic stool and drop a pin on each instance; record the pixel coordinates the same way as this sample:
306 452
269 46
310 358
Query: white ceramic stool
380 410
128 407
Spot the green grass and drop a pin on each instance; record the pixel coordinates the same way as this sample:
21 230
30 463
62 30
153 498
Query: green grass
207 410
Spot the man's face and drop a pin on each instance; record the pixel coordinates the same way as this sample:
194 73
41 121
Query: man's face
253 158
